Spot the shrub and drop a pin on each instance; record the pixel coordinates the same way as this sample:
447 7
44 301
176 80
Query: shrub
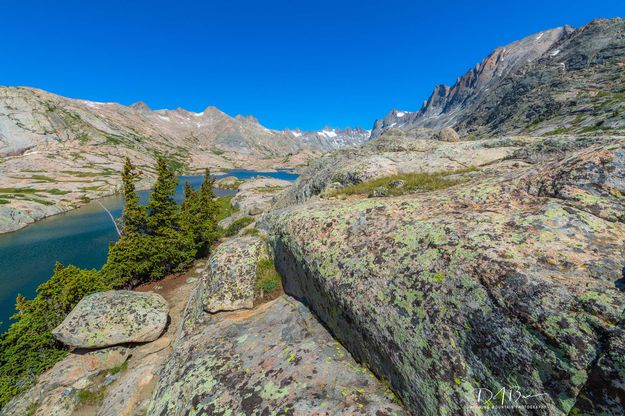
238 225
28 347
119 368
137 259
251 231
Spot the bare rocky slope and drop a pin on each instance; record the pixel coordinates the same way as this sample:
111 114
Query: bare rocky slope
56 153
562 80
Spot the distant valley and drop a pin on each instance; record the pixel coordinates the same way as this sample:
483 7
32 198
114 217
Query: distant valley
58 153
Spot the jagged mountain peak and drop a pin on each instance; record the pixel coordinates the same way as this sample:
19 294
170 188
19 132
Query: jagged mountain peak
501 62
141 106
249 118
545 60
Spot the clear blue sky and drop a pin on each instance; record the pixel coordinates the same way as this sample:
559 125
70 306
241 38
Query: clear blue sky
291 64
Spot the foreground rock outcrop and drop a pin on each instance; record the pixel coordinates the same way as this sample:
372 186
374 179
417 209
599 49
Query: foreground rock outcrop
277 359
113 381
506 282
230 275
115 317
57 391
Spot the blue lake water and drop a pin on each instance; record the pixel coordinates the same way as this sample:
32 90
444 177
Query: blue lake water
80 237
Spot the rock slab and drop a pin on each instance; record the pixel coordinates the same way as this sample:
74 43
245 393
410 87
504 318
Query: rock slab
56 392
256 195
513 282
277 359
114 317
228 282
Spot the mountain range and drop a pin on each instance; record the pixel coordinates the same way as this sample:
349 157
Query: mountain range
558 81
58 153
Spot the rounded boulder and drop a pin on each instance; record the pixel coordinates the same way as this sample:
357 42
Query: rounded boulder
114 317
447 134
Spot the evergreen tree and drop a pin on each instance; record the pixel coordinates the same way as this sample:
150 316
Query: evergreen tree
133 216
189 210
172 249
199 214
163 212
157 246
208 213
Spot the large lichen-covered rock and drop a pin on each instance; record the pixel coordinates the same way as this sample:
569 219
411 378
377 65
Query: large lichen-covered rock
228 281
504 283
114 317
277 359
57 390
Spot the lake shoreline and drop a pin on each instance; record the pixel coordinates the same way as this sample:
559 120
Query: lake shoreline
80 236
63 209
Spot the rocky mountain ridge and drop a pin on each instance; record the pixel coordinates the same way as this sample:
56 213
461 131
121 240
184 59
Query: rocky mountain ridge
32 117
556 81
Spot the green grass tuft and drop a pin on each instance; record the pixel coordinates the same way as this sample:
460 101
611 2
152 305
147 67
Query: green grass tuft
90 397
118 369
267 277
31 409
414 182
224 208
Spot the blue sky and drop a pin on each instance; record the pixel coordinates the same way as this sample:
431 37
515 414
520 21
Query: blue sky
291 64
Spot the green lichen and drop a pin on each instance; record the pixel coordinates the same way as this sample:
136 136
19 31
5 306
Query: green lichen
438 277
272 392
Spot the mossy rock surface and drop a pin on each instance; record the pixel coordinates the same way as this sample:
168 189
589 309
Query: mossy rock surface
114 317
58 391
228 281
277 359
509 282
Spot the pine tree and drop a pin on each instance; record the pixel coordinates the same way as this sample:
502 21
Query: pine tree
208 213
171 248
163 212
199 213
133 216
